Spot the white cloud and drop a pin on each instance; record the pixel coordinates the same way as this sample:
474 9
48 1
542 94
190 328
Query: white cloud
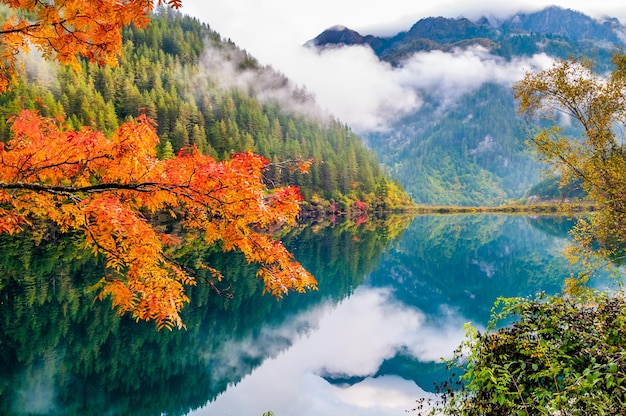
39 70
352 84
381 394
222 65
449 75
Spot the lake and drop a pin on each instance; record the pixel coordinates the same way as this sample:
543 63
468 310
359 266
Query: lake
393 298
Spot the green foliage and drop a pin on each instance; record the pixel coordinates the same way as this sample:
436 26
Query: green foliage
560 355
550 189
468 153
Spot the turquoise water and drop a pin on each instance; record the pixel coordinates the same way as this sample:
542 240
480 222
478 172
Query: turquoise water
391 304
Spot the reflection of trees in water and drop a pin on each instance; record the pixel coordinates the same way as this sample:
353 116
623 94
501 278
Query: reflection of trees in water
89 360
467 261
559 227
463 263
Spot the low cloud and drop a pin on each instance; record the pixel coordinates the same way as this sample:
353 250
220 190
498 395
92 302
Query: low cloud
354 85
351 83
229 68
40 71
449 75
369 95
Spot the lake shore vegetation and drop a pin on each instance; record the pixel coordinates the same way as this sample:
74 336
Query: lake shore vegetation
560 355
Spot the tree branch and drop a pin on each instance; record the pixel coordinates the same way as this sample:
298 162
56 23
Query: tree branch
101 187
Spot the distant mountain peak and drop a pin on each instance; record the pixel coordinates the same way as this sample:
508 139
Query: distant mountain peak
337 35
446 30
555 20
337 28
340 35
441 33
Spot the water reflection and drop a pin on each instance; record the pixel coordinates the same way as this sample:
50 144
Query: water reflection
466 262
368 343
62 353
379 350
354 337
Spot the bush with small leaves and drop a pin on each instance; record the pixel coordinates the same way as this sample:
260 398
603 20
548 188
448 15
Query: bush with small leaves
558 355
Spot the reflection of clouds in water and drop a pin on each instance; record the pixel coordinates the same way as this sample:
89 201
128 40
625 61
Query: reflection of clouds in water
352 339
390 392
489 269
364 330
35 393
438 337
236 357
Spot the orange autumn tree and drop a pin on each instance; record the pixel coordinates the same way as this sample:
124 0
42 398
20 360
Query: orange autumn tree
63 30
81 181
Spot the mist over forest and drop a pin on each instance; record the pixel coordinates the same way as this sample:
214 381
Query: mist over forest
453 137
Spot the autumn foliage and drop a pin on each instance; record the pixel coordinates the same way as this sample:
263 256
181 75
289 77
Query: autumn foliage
112 189
63 30
82 181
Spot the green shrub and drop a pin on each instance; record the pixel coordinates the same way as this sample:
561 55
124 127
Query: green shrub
557 355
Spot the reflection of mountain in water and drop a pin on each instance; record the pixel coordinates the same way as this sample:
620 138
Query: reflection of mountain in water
424 373
447 266
63 353
467 262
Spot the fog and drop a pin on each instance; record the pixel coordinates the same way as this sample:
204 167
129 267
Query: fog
369 95
352 84
35 390
226 67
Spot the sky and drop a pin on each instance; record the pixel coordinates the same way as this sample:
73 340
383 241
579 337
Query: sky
351 83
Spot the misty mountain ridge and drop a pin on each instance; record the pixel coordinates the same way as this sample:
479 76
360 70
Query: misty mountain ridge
464 144
441 33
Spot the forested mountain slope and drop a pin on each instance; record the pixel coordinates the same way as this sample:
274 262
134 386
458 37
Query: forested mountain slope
464 144
169 71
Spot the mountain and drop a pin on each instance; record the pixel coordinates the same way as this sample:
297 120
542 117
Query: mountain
428 34
465 145
567 23
203 90
554 30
